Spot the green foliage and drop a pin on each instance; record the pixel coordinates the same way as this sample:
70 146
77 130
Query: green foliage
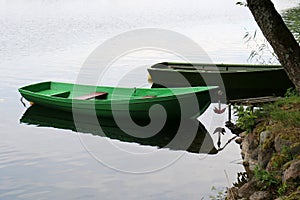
286 110
246 117
279 159
283 189
266 179
287 153
287 118
270 181
292 20
291 92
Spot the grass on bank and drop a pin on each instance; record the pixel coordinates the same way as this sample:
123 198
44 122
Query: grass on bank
284 112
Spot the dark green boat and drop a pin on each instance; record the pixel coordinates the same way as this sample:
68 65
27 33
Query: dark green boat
239 81
120 102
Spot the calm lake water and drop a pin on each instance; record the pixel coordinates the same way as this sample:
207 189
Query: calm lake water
42 156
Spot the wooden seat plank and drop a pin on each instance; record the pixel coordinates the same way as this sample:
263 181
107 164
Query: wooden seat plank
96 95
149 97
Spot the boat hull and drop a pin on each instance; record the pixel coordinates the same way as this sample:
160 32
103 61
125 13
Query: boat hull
120 103
239 81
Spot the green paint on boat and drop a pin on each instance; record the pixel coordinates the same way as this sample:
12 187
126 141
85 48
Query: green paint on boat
107 101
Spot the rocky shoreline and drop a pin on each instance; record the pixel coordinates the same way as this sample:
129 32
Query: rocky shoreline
271 157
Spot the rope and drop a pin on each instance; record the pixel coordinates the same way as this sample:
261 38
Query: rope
23 102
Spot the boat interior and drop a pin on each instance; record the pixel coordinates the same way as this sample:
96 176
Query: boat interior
86 92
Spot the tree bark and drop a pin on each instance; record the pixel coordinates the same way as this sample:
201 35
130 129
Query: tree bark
279 36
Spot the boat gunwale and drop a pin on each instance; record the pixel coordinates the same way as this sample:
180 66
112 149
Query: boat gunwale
200 67
140 100
213 71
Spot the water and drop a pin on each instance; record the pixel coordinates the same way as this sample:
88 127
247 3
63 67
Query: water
50 40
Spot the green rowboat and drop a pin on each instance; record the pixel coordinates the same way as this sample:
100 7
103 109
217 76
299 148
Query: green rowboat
239 81
138 103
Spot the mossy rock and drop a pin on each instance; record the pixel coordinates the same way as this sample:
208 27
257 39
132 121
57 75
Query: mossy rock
260 127
280 143
295 149
290 135
277 161
268 144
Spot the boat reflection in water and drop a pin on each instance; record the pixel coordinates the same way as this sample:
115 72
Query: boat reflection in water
200 143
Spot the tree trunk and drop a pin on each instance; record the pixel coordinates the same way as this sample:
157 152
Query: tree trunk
279 36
